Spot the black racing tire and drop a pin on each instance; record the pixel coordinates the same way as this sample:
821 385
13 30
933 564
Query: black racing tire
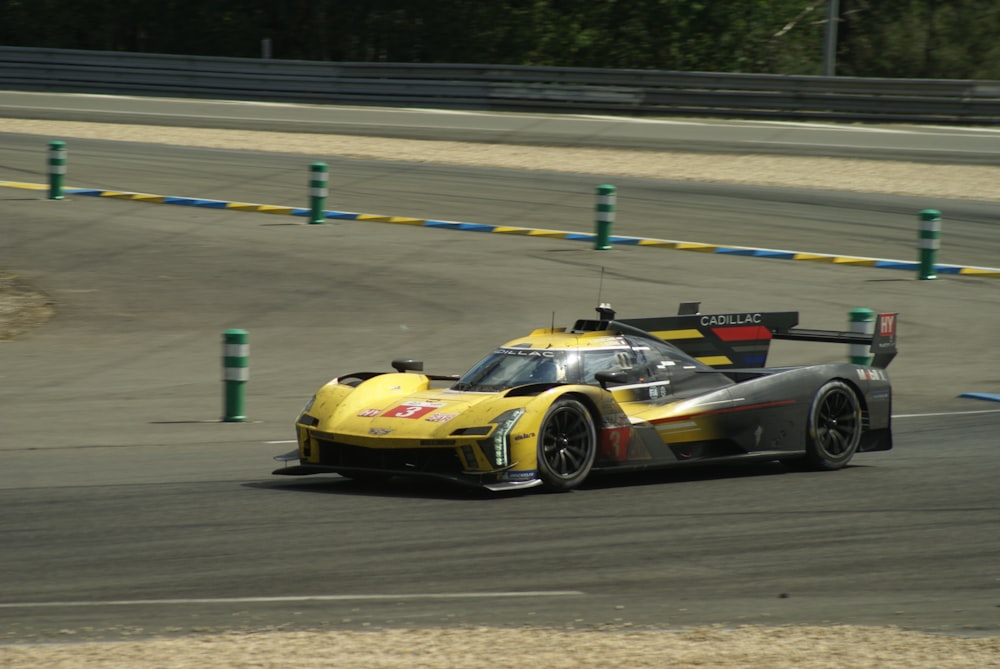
567 445
834 428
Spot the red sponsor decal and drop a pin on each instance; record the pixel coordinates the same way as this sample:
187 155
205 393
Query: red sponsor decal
887 324
408 411
743 333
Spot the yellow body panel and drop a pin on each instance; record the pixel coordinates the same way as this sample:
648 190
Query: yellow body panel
405 417
404 411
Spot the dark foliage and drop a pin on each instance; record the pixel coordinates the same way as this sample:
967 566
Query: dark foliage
884 38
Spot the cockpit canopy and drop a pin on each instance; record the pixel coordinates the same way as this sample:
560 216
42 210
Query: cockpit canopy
523 363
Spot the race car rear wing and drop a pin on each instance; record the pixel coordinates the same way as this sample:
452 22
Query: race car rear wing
742 340
882 342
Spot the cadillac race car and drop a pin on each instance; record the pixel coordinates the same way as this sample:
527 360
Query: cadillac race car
608 394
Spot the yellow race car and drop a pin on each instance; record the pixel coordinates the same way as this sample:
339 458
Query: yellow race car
550 408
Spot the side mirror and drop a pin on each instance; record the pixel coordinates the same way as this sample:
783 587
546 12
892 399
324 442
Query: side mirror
408 365
612 377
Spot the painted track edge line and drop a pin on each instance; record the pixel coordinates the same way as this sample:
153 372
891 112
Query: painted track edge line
290 599
944 413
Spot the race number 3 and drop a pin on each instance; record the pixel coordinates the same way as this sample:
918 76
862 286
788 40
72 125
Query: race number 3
408 411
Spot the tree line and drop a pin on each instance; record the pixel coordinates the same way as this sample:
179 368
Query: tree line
876 38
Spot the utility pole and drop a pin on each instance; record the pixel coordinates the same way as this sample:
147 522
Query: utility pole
830 38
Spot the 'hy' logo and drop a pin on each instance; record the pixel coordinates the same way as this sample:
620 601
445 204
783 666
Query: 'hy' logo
887 325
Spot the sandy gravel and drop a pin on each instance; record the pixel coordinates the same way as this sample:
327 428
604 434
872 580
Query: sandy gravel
950 181
21 307
487 648
770 648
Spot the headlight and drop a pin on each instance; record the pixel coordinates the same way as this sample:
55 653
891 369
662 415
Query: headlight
304 417
505 423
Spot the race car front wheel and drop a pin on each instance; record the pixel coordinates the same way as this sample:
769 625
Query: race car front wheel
567 445
834 426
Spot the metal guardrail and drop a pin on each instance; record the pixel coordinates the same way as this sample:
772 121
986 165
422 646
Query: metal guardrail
503 87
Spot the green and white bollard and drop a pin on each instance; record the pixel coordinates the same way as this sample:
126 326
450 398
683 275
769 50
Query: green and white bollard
930 242
235 374
606 196
318 180
861 320
57 169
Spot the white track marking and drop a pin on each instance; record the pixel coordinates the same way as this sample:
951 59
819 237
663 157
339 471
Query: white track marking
291 599
945 413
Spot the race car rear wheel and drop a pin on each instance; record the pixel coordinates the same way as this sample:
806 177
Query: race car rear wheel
834 429
567 445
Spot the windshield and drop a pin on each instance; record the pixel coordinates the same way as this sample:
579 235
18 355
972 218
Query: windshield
510 367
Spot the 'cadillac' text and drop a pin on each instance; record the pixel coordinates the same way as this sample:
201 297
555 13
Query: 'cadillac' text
731 319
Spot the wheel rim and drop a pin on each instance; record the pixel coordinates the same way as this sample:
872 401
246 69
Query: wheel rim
837 425
566 442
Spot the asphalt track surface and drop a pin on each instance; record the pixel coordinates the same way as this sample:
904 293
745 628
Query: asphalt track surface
129 508
950 144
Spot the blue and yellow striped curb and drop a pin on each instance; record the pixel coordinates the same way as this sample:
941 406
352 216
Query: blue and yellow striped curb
989 397
912 266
